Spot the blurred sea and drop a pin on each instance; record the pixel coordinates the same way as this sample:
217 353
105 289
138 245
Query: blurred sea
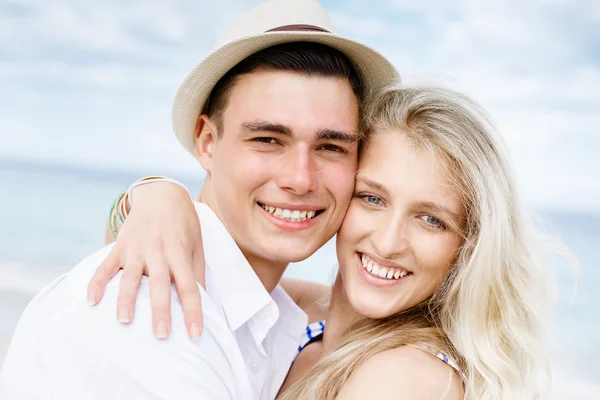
53 216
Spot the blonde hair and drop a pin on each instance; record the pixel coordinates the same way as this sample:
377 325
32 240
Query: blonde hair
492 310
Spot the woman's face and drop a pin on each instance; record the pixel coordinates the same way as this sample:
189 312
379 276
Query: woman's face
402 230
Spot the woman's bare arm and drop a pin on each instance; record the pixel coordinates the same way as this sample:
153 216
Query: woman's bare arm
161 239
108 235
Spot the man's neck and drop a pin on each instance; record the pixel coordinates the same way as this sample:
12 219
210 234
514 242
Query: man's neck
268 272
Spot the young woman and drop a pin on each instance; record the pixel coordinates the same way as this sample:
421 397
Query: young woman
442 285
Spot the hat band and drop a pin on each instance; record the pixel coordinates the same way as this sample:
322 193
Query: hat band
298 27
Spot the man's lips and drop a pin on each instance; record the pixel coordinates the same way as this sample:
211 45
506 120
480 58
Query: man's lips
293 213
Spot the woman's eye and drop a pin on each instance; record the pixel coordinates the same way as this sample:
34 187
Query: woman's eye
371 199
433 221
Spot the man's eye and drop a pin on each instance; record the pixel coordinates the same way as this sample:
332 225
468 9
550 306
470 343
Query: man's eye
267 140
334 148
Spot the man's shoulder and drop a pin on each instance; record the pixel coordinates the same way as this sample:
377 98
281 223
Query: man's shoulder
74 348
105 312
63 304
76 280
63 333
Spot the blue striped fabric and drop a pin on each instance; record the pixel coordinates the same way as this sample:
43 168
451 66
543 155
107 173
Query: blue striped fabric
312 330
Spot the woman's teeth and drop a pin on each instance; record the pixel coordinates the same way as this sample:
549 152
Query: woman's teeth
380 271
289 215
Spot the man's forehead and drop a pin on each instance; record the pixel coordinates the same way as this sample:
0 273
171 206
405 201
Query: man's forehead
293 104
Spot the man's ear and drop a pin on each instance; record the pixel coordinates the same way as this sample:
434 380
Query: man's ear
206 137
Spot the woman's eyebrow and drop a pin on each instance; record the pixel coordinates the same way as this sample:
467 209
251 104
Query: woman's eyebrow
372 184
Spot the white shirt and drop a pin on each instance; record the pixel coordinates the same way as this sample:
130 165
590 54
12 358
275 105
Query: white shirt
64 349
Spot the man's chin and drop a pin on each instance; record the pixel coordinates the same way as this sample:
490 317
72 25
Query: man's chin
289 254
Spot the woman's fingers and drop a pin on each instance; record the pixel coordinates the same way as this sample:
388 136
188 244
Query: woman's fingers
128 290
189 294
198 264
109 267
150 236
160 295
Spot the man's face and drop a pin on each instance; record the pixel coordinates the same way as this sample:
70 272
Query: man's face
282 170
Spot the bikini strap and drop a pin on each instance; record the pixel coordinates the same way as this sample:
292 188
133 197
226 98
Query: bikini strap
440 356
313 333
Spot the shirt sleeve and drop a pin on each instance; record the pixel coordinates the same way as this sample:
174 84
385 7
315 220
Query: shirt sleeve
65 349
21 376
88 352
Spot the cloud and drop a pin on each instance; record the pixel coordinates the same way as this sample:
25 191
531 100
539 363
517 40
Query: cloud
87 82
535 66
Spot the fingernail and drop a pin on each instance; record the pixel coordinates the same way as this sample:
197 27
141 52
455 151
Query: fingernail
194 331
124 316
161 330
91 299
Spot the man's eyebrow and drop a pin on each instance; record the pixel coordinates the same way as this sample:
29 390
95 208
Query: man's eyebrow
323 134
264 126
332 134
373 185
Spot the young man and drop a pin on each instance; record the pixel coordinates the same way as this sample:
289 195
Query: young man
271 115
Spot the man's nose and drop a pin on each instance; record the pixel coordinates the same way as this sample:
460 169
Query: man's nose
298 173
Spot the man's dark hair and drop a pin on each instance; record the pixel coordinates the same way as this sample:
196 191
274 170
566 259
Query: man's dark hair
312 59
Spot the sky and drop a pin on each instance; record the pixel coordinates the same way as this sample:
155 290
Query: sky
91 83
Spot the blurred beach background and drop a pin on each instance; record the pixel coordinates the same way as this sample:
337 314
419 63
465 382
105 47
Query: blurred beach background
85 99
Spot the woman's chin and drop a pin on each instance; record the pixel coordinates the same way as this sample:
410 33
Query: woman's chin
370 308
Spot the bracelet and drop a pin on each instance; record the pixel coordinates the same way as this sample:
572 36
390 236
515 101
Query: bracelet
152 179
118 210
122 208
113 215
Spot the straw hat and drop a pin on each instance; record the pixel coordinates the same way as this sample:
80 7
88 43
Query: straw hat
271 23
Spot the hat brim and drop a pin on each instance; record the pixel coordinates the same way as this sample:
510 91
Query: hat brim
375 69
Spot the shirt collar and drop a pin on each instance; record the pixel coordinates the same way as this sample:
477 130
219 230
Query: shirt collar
241 293
292 316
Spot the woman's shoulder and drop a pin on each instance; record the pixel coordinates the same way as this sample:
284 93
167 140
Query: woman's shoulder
410 372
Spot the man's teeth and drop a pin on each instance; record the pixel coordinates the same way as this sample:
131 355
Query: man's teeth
380 271
290 215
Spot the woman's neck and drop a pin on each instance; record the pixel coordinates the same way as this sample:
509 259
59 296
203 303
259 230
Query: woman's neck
340 316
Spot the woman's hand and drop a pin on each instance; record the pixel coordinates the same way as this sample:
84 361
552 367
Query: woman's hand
161 238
